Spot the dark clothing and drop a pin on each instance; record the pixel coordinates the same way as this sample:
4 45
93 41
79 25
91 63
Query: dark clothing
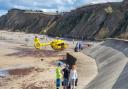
66 73
78 47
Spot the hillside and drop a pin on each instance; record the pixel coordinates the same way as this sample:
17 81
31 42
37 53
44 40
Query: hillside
88 22
94 21
28 21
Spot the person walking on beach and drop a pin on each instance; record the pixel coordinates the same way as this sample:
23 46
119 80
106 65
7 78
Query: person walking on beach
73 77
66 73
58 76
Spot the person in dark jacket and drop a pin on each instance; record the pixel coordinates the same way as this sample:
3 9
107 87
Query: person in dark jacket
66 73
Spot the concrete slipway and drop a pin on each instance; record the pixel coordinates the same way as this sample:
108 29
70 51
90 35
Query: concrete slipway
111 58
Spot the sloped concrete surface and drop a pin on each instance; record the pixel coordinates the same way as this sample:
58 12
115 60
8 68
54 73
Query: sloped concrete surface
112 60
86 67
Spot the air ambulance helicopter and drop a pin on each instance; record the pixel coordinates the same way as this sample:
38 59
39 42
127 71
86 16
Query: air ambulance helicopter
56 44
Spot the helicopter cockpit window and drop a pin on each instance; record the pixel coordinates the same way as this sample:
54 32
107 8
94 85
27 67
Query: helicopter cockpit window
62 44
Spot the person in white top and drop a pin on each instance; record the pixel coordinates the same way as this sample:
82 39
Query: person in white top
73 77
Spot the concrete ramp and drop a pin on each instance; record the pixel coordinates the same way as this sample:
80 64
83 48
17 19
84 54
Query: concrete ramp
112 60
86 67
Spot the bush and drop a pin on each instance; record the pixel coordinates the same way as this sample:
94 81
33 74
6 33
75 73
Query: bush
124 35
103 33
108 10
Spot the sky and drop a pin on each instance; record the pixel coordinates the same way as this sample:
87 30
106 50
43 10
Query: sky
47 5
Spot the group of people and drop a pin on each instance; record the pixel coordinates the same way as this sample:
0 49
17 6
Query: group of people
66 77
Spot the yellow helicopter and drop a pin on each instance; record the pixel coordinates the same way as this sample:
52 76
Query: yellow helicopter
56 44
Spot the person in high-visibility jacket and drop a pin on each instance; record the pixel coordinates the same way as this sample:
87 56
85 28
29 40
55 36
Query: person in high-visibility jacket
37 43
58 76
36 39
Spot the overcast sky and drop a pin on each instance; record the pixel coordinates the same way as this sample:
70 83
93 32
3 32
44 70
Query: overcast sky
46 5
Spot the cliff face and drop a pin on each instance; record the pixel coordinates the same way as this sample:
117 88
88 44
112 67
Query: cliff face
21 20
95 21
88 22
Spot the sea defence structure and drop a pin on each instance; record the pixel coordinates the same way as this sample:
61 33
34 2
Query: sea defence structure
111 57
86 68
112 60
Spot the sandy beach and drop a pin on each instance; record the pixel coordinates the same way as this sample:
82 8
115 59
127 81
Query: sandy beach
24 67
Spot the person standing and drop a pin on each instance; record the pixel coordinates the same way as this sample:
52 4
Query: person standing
73 77
66 73
78 47
36 39
58 76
